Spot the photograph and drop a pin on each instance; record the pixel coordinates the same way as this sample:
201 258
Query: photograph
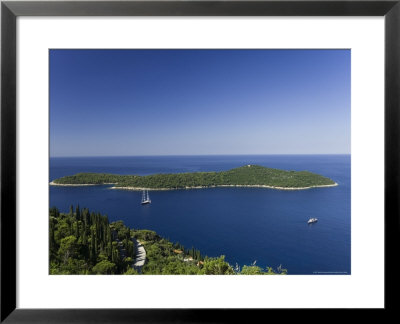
199 162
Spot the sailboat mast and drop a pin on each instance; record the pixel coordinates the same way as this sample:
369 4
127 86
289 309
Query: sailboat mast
145 197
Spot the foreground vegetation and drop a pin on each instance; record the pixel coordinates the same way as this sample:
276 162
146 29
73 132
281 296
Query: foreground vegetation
249 175
84 242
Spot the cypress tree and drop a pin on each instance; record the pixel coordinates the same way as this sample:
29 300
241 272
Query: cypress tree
69 227
92 218
84 236
52 238
93 256
78 213
95 246
71 211
77 230
109 250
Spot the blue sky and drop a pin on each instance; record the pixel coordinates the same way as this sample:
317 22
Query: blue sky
194 102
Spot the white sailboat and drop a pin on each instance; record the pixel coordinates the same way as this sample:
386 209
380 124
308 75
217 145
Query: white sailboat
312 220
145 197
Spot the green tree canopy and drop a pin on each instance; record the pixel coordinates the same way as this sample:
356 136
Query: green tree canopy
217 266
104 267
68 248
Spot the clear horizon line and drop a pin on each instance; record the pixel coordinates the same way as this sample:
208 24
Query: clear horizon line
159 155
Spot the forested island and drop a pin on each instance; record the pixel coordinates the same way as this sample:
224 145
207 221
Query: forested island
84 242
249 175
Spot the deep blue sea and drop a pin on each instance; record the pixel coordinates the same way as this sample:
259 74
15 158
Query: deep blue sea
244 224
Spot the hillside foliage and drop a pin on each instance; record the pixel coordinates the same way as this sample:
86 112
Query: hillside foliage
84 242
249 175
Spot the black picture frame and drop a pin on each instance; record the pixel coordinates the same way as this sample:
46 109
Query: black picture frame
10 10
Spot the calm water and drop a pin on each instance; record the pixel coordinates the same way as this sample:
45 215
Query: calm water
245 224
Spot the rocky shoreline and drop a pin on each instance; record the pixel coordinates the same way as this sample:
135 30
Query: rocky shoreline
196 187
238 186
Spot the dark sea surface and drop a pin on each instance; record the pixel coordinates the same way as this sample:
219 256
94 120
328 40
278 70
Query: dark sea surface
244 224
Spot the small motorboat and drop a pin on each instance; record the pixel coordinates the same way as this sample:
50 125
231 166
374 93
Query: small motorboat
312 220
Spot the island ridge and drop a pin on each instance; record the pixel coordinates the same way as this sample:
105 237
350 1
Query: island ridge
245 176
